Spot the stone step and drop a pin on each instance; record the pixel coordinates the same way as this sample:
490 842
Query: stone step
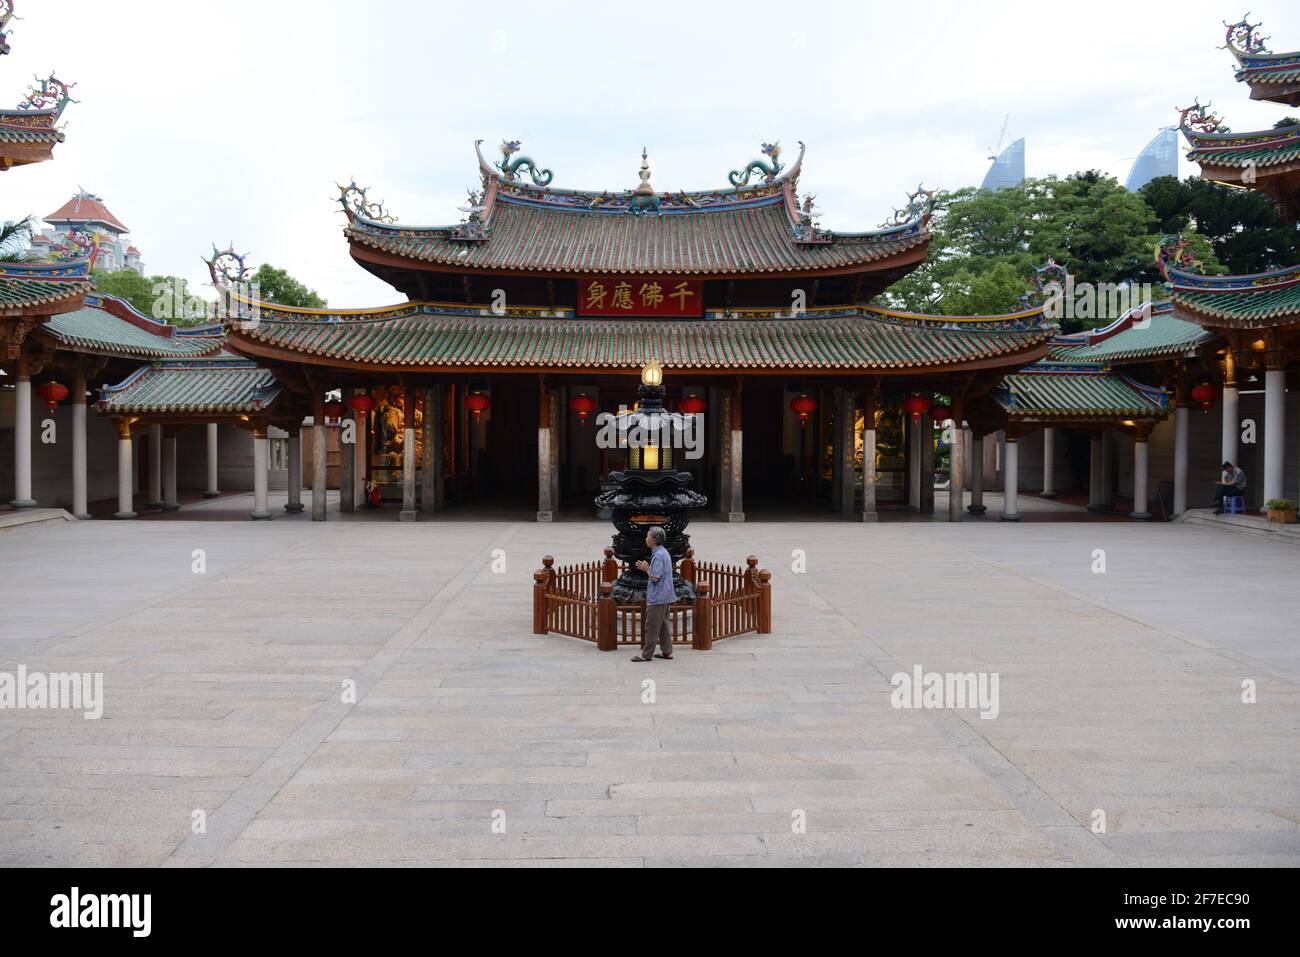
1249 524
17 517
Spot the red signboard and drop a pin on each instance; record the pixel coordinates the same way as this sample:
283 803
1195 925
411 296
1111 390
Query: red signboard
669 297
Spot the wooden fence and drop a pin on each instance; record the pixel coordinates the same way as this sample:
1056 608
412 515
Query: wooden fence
577 600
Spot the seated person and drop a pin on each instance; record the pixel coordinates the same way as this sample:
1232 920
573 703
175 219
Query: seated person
1231 483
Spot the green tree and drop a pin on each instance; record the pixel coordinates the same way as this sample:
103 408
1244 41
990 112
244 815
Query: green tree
277 286
1241 225
986 244
14 235
165 298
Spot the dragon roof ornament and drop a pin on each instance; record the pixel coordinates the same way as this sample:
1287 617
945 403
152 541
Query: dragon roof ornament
1172 254
1242 39
228 267
50 93
78 243
6 14
356 203
1050 282
1199 118
770 168
919 205
510 168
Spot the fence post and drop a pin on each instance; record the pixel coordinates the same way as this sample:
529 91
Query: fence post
609 570
548 566
702 619
539 602
765 602
688 566
751 569
606 639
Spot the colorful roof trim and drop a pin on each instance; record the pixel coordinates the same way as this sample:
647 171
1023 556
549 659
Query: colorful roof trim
1249 301
423 335
224 385
110 326
1271 76
29 133
515 225
33 287
1065 391
1216 147
1141 334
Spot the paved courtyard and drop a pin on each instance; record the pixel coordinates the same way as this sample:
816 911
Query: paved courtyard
1120 694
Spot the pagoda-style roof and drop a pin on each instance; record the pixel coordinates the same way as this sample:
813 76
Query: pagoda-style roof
1266 160
444 337
221 385
1257 301
1065 391
1271 76
43 288
529 228
109 326
29 133
1143 334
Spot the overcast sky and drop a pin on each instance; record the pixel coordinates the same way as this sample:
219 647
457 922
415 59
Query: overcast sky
201 123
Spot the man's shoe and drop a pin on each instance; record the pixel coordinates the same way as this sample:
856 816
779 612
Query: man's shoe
640 658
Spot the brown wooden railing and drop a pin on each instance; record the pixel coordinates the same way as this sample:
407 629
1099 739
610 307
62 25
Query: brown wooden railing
577 601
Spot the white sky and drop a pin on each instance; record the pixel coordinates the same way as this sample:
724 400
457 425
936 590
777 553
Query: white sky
202 123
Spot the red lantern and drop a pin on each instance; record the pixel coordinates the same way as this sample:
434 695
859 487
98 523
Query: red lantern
693 405
805 405
477 403
940 412
916 406
53 393
333 409
584 405
361 404
1206 394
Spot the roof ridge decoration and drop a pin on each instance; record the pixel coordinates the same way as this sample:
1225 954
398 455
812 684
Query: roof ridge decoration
6 14
1048 274
50 93
357 204
770 168
78 243
510 168
59 271
1199 118
1242 40
920 205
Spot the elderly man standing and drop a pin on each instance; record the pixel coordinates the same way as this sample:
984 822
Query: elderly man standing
659 595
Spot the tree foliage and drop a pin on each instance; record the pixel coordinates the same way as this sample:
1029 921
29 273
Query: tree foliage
277 286
165 298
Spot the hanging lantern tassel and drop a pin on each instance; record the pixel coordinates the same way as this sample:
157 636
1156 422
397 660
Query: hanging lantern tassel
805 405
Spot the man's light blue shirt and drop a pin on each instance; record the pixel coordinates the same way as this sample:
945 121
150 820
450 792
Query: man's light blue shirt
661 592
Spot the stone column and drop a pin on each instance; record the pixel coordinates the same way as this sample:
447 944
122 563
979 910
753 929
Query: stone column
293 481
319 465
956 459
846 434
261 463
1231 412
1108 455
927 464
125 477
170 501
23 437
1096 465
212 491
1274 427
155 499
1181 419
408 513
359 466
431 479
347 457
1141 456
913 427
1049 463
869 479
724 447
545 438
79 480
976 506
1011 481
736 498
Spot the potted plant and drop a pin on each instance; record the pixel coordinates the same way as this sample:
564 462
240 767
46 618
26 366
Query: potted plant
1281 510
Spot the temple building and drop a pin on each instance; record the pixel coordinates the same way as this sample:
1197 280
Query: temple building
86 212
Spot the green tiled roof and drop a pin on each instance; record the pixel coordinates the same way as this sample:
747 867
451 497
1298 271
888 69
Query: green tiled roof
225 385
93 329
30 294
1262 299
1064 391
1164 336
29 126
849 340
1264 148
758 238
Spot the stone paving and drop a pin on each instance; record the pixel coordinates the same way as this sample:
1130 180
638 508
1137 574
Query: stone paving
1119 692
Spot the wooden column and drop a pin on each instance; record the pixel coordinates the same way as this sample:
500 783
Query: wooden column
431 479
976 506
736 472
170 502
870 400
846 440
1049 463
212 491
545 457
1096 473
155 499
347 457
927 464
319 465
408 513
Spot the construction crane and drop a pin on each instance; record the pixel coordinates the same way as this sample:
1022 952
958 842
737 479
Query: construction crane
1002 137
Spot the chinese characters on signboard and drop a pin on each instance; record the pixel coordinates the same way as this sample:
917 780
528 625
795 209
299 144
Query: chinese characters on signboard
641 296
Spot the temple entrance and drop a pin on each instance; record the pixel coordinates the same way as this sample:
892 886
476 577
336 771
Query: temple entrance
772 476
